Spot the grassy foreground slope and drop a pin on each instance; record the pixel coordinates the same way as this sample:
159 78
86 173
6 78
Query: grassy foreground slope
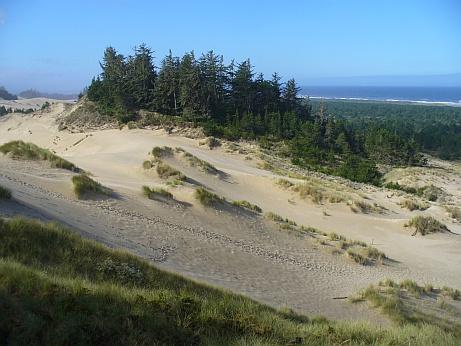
57 288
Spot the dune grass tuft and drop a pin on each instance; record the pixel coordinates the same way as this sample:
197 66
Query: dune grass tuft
83 185
426 225
412 204
152 193
5 193
206 197
194 161
165 171
247 205
29 151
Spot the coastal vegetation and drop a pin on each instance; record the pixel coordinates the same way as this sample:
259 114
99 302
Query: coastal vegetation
29 151
426 225
54 285
84 185
231 101
5 193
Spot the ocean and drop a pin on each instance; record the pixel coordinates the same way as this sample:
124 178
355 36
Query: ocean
439 95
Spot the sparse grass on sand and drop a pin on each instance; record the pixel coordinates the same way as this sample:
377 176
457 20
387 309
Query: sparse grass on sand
83 185
247 205
154 192
426 225
57 288
412 204
165 171
359 251
5 193
206 197
194 161
454 212
400 303
30 151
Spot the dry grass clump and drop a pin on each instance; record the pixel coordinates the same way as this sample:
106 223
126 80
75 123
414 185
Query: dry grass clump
286 184
357 256
153 193
206 197
165 171
454 212
247 205
5 193
30 151
364 207
426 225
83 185
412 204
160 152
453 293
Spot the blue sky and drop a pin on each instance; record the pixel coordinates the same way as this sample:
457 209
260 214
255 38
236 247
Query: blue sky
56 45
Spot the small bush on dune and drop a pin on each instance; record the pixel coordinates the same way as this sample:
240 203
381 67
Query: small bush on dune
5 193
247 205
159 152
83 184
165 171
147 164
206 197
426 225
30 151
151 193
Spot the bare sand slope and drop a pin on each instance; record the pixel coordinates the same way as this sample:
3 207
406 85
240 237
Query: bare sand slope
236 250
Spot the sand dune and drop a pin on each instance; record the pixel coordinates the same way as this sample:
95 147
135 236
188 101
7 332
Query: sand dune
236 250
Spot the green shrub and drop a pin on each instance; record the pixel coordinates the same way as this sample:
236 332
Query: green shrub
247 205
426 225
5 193
159 152
83 184
147 164
30 151
206 197
152 193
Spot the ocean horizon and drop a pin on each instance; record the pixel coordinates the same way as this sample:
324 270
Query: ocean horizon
430 95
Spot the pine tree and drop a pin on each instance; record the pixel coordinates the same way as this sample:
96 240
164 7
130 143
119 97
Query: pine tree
167 86
190 88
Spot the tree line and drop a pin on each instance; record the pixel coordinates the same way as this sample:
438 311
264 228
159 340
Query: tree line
232 101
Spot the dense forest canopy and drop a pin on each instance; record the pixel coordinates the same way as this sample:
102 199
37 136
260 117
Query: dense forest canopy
436 129
232 101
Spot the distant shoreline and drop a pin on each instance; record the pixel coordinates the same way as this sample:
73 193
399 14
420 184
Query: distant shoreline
359 99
